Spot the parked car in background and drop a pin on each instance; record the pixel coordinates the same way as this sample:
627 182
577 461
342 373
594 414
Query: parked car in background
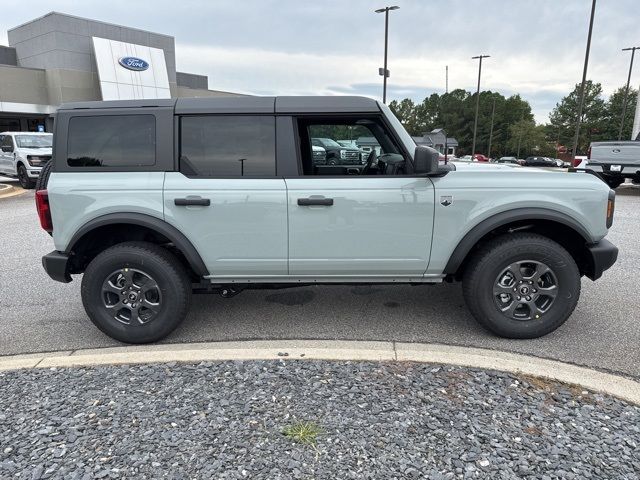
23 154
579 161
539 162
615 161
509 160
478 157
319 155
338 154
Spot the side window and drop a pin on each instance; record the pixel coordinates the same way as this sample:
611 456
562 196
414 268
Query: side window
112 141
348 146
225 145
7 143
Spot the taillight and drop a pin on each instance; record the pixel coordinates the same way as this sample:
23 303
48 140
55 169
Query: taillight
44 210
611 206
576 162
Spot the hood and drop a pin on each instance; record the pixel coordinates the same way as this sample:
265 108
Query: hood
495 167
35 151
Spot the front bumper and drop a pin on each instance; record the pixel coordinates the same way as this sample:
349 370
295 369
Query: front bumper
56 264
601 256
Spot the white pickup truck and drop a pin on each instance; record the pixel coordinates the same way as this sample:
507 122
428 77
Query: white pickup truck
616 161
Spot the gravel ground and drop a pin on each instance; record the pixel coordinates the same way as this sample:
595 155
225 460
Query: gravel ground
382 421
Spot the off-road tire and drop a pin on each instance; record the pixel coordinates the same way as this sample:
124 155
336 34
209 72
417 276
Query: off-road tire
492 258
43 178
158 263
23 177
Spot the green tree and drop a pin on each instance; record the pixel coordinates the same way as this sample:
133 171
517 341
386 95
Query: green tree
592 122
613 116
526 138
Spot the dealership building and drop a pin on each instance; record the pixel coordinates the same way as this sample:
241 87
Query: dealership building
60 58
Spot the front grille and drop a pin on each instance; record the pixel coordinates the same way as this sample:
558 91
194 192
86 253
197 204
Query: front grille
319 158
352 156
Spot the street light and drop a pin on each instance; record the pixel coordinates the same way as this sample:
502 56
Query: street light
384 71
475 122
584 80
626 90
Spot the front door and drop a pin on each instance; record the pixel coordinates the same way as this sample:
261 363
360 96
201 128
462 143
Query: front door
226 198
6 154
366 221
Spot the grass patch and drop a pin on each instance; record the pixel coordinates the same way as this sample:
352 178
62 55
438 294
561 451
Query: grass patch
305 433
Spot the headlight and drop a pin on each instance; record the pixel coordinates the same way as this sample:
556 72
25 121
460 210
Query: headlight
343 154
35 161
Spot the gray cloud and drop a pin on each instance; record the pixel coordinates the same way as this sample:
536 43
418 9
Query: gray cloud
335 46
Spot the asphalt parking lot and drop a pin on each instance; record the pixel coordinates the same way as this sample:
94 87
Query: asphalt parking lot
38 314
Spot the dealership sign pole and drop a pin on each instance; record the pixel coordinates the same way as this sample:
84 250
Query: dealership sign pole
626 90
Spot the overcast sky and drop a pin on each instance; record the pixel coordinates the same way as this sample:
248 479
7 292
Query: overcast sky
268 47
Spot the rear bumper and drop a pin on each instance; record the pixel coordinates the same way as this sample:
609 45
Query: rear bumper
626 169
56 264
601 256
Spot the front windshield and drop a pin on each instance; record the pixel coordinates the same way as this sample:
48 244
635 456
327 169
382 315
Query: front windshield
405 138
34 141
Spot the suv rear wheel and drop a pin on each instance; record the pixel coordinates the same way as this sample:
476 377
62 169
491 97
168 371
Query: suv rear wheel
136 292
521 285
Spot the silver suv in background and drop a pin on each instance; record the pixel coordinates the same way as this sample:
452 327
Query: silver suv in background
23 154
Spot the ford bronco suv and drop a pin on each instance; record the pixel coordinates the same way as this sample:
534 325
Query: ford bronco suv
156 199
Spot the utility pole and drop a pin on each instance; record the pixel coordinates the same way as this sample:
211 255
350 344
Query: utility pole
475 122
385 71
493 112
446 81
584 81
626 90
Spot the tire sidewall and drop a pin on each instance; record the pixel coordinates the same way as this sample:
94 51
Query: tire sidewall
566 274
168 282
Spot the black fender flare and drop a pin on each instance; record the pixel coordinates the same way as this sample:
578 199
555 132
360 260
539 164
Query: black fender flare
176 237
474 235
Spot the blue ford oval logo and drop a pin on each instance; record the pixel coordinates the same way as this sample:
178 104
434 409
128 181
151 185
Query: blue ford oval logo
133 63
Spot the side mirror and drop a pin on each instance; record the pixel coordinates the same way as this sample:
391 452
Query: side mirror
7 149
425 160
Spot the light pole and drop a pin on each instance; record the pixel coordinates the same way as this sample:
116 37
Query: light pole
626 90
584 80
475 122
493 112
385 71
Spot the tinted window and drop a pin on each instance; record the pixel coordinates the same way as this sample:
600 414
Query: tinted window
112 141
6 141
215 146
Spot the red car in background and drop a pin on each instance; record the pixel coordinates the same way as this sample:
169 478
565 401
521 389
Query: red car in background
478 157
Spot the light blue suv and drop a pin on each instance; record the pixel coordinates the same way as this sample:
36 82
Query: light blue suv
155 199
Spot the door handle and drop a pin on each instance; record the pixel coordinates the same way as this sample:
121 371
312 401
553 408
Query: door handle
203 202
325 202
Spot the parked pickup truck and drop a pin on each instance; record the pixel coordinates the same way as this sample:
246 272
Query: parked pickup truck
155 199
615 161
23 154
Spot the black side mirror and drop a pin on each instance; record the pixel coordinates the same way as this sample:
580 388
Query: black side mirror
425 160
7 149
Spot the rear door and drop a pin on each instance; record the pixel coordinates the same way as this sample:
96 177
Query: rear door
226 197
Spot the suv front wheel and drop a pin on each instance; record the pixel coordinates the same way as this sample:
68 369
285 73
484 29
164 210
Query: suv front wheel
521 285
136 292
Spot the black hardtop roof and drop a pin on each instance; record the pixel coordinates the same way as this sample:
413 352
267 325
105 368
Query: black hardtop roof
298 104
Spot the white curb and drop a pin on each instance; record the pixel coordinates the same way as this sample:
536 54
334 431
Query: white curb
608 383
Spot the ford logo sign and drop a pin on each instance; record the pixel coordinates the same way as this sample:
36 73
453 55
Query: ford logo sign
133 63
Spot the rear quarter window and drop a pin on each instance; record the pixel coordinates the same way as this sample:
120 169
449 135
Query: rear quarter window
111 141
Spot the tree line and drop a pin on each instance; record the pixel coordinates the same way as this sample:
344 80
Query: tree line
515 132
